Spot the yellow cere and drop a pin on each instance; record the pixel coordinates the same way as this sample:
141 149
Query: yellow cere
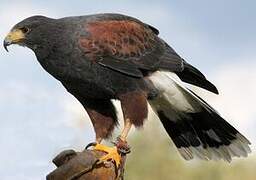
15 36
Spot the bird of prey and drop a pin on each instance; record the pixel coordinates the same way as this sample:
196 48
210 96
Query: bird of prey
102 57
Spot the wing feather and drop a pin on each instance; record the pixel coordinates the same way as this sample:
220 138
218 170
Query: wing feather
129 46
126 45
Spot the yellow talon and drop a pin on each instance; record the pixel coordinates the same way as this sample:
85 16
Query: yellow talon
112 154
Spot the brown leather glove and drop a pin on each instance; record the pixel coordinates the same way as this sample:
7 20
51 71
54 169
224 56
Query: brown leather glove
73 165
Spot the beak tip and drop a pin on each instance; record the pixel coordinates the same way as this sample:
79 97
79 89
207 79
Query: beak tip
6 44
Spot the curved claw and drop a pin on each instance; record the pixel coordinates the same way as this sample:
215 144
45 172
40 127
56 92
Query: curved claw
90 145
124 151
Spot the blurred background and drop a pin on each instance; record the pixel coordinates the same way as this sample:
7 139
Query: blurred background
39 118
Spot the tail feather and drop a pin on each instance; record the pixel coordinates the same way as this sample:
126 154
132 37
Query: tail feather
193 125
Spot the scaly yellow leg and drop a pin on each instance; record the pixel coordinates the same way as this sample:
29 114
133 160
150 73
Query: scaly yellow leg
125 131
112 152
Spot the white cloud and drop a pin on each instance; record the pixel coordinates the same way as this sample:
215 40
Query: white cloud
35 125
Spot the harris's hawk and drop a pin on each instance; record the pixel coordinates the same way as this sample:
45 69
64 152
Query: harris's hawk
102 57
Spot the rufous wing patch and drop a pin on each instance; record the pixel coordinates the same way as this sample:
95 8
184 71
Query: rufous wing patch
120 39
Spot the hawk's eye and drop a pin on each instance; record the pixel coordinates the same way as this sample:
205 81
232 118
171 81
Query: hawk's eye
25 30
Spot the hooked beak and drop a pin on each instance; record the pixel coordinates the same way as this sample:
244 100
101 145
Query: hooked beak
14 37
6 44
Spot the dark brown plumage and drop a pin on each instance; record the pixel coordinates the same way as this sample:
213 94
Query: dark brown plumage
111 56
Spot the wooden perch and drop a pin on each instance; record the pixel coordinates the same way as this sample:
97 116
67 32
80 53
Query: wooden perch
73 165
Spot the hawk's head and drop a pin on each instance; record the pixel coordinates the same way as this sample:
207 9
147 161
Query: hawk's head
31 32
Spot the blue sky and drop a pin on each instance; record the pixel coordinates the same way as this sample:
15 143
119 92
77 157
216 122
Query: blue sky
39 118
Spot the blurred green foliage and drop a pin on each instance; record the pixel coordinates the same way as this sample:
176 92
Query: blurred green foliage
154 157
